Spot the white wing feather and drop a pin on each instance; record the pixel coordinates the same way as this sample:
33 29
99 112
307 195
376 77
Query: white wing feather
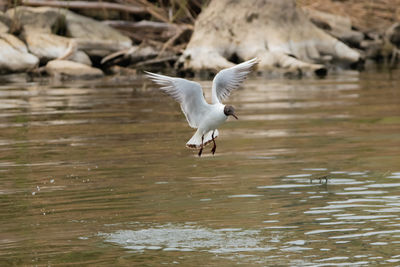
189 94
229 79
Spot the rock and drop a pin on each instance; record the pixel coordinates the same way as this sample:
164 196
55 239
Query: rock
14 42
91 36
94 37
4 23
5 19
46 19
3 27
70 69
39 25
46 45
81 57
14 56
49 46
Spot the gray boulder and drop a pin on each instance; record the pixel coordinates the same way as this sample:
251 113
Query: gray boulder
3 27
5 22
49 46
94 37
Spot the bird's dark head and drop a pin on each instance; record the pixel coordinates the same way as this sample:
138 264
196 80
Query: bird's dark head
229 110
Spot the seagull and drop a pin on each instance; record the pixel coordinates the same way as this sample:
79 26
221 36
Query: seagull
204 117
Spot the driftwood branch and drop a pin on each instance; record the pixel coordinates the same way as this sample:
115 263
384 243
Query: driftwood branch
141 25
87 5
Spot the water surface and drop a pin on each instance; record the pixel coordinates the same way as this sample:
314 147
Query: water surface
97 173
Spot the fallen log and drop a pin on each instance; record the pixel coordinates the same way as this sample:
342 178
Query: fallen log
86 5
141 25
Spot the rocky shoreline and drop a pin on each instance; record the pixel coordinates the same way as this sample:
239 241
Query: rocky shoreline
41 42
60 43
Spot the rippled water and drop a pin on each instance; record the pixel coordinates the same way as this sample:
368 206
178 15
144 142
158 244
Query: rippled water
97 173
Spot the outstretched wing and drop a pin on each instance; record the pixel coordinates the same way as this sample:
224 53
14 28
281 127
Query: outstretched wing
229 79
188 94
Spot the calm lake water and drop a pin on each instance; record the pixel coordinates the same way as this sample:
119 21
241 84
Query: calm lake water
97 173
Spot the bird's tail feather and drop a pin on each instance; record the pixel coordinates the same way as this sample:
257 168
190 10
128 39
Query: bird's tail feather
195 141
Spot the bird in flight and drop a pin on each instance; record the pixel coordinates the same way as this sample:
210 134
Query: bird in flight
204 117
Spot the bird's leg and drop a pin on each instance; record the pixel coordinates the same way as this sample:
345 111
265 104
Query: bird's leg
215 145
201 147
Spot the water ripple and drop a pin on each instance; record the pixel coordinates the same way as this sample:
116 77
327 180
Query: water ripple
365 234
188 238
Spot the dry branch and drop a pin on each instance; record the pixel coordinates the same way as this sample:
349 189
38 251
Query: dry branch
171 41
157 61
156 12
146 30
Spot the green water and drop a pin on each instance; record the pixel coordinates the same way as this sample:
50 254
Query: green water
97 174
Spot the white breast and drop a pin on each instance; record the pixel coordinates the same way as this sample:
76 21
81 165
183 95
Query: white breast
214 118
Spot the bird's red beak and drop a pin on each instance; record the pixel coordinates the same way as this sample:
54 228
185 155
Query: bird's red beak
235 116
